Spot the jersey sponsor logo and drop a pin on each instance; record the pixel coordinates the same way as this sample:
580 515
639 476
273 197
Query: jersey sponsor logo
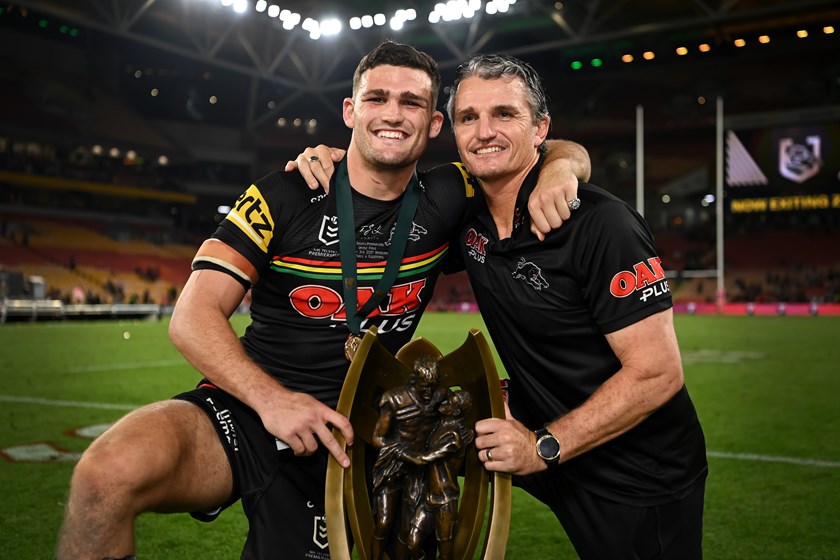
328 235
476 245
251 215
531 273
225 421
322 302
646 276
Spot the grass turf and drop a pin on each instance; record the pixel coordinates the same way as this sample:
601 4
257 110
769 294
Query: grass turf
764 388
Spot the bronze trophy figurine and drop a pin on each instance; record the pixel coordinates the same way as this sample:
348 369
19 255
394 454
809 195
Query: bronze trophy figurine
413 415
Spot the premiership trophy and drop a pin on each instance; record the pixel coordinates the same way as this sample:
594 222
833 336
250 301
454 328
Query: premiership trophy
415 487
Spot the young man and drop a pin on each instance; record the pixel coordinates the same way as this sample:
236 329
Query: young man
601 429
258 427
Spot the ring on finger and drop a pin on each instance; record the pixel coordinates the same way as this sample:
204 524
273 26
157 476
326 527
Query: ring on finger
489 455
574 204
315 158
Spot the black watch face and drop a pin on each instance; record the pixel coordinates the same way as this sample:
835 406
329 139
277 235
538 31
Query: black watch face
549 447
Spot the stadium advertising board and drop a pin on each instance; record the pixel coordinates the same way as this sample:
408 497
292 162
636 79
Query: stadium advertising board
783 169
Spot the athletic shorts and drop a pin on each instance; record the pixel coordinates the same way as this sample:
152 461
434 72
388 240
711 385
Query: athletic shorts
282 495
601 529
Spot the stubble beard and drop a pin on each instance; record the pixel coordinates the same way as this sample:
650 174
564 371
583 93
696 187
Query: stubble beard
386 161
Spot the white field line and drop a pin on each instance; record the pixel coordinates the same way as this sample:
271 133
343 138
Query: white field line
72 404
716 454
129 365
774 459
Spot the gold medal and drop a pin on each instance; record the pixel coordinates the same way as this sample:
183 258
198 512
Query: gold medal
351 345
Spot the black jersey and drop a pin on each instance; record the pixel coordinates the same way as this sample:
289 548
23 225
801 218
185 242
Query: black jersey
548 305
289 235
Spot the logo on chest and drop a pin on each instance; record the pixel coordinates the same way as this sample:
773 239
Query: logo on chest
530 273
476 245
328 234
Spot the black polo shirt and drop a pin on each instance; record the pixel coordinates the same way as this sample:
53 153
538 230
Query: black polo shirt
548 305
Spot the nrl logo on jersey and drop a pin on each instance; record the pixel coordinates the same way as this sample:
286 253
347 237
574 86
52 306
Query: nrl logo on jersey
329 230
319 532
799 162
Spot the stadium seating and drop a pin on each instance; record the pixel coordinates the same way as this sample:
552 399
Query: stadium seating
80 263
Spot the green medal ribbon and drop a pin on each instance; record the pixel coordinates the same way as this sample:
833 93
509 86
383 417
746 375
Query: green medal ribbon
347 246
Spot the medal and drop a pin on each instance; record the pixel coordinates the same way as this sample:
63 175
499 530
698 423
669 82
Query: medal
347 249
351 345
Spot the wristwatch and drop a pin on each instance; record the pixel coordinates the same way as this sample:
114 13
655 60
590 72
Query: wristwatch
548 448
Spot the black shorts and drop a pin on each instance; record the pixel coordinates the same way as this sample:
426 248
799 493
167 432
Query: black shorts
282 495
601 529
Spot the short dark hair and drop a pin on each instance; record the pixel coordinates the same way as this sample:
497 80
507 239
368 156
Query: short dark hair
398 54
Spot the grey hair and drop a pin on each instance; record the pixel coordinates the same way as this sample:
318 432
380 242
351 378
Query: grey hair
495 66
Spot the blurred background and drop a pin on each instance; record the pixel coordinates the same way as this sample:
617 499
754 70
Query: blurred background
127 129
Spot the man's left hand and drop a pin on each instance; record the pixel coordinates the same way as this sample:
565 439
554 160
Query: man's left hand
507 446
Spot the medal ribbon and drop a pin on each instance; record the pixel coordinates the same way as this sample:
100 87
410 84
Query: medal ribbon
347 246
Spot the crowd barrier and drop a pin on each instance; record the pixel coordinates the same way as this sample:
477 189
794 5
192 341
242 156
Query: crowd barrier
48 309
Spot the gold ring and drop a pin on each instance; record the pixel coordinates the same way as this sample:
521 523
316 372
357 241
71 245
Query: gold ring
489 456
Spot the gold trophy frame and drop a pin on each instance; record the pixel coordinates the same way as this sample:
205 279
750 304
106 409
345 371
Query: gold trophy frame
373 370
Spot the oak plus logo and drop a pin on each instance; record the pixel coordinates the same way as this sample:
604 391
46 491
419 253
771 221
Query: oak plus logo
476 245
395 312
647 277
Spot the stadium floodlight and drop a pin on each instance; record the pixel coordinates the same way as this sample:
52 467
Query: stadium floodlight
330 26
261 6
227 3
396 24
490 7
379 19
273 10
240 6
367 21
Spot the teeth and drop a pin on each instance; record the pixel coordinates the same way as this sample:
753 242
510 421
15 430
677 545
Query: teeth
390 134
488 150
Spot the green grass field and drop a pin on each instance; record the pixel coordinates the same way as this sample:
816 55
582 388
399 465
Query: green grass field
765 388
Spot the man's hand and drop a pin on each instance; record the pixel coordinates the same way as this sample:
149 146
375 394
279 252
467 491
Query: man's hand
316 165
565 163
549 203
301 421
507 446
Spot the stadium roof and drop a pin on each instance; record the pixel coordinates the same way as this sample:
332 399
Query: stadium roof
201 62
